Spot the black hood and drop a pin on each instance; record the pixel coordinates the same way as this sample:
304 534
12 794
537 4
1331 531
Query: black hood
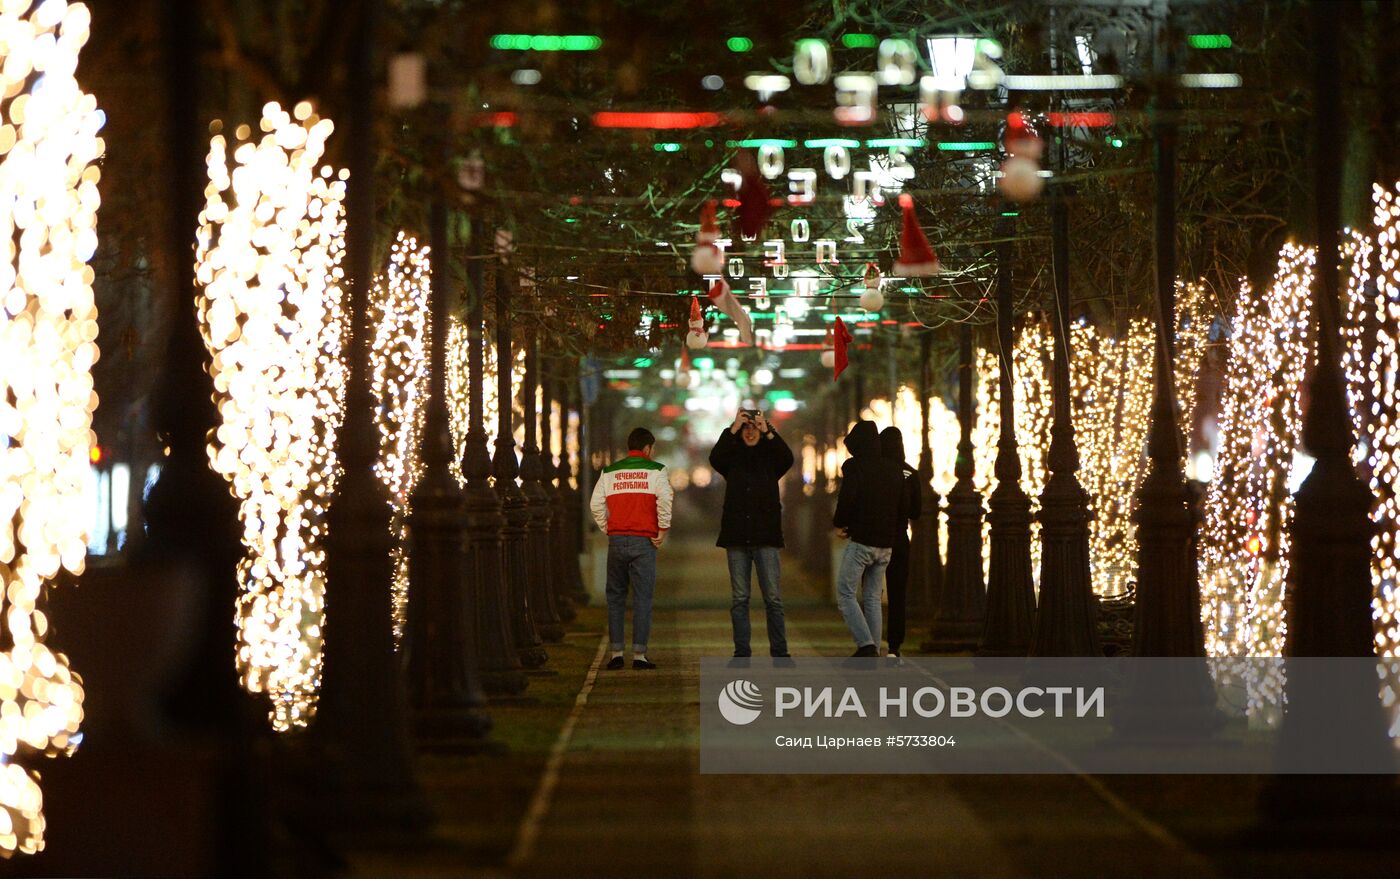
863 439
892 444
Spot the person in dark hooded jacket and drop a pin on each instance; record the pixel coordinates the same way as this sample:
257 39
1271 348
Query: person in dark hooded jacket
897 574
751 457
871 510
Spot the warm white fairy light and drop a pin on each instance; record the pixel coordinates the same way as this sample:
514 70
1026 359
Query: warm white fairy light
458 391
1244 543
1372 362
270 243
398 357
49 146
1111 387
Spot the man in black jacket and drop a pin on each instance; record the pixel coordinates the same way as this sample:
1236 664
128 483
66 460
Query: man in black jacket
752 458
871 510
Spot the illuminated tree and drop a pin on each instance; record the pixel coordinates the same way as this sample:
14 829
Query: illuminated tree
399 383
49 147
1244 543
268 266
1372 361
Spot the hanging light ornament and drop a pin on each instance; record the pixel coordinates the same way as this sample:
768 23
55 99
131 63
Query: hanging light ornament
1020 178
398 358
270 243
49 148
696 337
871 299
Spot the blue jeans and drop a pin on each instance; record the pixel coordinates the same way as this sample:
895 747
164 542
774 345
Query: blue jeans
864 565
742 560
630 558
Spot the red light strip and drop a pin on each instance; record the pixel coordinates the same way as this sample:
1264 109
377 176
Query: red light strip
614 119
1076 120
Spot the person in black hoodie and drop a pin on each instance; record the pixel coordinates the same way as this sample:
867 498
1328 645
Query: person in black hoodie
897 574
751 457
870 510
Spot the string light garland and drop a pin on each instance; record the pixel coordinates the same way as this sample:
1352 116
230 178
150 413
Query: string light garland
270 244
398 357
1372 365
1244 543
49 147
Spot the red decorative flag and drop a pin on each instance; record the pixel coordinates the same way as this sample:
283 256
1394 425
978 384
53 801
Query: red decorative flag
841 338
723 298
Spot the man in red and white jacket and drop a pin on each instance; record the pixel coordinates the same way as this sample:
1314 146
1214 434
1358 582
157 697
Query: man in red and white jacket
632 503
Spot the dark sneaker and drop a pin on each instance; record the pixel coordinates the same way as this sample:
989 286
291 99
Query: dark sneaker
867 650
642 663
782 655
615 663
738 655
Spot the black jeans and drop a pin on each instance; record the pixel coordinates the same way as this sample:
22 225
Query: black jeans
897 588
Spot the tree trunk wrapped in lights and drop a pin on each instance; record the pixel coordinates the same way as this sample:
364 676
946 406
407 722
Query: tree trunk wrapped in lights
962 605
497 661
1010 606
1245 546
1372 361
515 564
271 315
538 568
48 338
399 313
444 693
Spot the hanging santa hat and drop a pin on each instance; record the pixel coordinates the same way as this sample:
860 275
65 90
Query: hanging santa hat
916 257
707 258
841 338
723 298
871 299
697 337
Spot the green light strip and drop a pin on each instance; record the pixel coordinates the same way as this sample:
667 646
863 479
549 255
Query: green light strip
760 141
739 44
966 145
546 42
895 142
858 41
1210 41
822 142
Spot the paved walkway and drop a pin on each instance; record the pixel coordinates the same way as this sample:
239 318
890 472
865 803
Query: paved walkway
625 798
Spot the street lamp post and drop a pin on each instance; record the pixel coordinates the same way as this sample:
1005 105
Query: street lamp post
361 718
539 570
498 661
515 564
444 693
1010 587
962 605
